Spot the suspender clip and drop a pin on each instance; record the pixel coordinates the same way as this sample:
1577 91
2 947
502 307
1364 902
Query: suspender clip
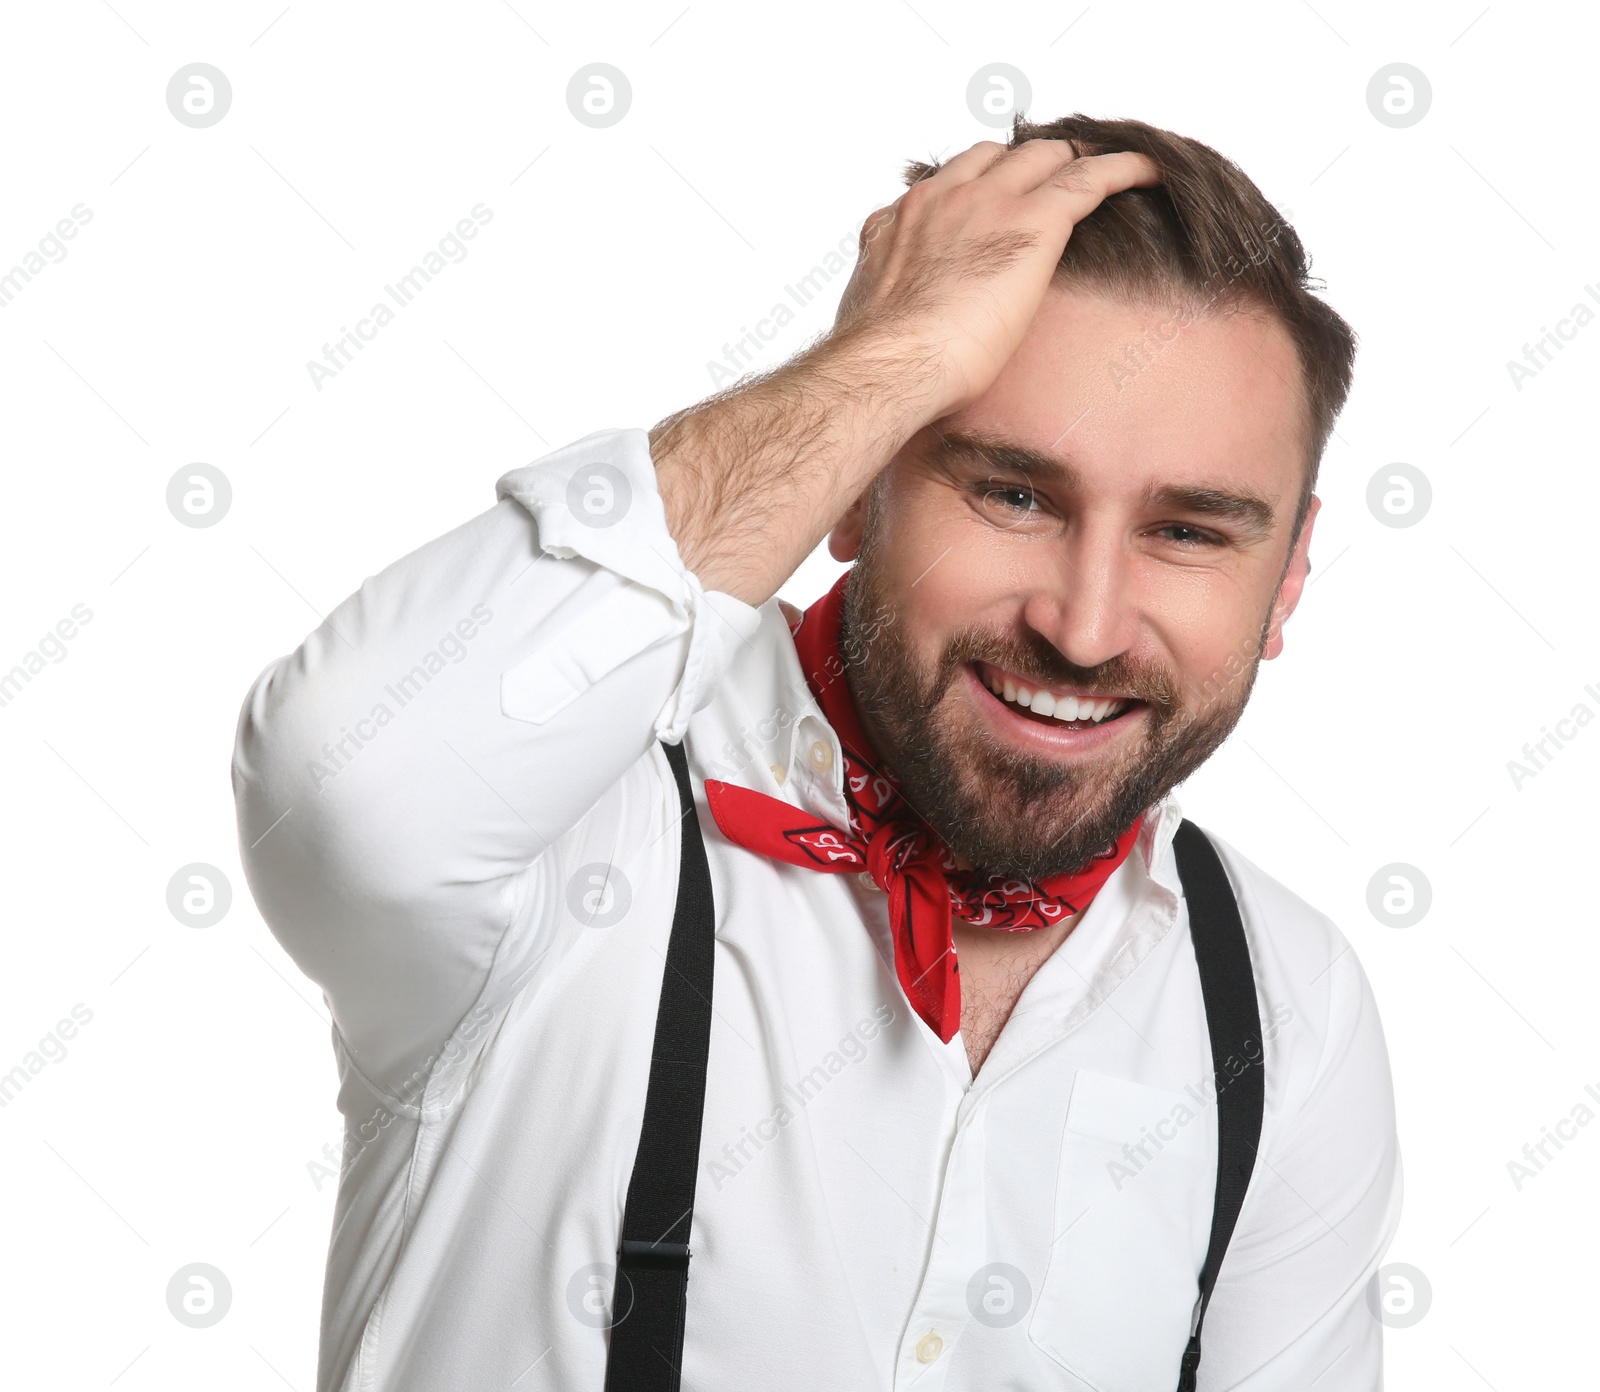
653 1256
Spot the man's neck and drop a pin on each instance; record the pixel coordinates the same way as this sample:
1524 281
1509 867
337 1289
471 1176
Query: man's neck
996 967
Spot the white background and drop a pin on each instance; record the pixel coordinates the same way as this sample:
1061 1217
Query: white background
180 1124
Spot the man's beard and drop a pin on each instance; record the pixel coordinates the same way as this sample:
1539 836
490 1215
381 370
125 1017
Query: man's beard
1003 810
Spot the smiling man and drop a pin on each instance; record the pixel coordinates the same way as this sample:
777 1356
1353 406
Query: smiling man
727 997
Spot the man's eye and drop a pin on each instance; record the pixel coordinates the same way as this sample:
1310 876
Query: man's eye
1186 535
1011 499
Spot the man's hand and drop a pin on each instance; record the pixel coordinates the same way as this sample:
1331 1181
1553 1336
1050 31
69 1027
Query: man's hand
953 271
950 276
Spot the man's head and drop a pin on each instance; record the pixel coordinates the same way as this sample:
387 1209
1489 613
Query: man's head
1125 513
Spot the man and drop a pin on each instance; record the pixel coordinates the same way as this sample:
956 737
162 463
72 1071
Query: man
961 1101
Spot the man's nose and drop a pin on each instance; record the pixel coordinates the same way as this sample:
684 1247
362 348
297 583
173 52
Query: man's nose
1085 606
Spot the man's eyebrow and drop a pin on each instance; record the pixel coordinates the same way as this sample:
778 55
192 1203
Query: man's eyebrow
1249 510
1032 464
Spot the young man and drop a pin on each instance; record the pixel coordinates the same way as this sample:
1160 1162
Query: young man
973 1016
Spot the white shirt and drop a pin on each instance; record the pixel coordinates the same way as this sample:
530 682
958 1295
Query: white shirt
459 770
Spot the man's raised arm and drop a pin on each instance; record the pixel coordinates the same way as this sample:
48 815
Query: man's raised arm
399 776
949 278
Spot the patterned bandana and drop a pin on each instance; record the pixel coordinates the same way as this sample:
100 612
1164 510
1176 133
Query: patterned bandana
892 844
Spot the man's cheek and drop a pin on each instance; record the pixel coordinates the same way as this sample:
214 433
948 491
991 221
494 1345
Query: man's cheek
1215 675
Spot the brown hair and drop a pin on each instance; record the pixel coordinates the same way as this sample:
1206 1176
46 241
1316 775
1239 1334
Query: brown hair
1205 237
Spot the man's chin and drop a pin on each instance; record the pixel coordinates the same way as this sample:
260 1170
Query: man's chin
1021 816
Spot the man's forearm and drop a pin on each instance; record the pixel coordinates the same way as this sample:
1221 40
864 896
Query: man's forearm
949 279
752 480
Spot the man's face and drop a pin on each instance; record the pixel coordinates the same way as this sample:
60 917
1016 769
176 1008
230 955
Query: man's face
1090 528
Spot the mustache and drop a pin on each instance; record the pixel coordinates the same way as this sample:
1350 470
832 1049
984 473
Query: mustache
1046 665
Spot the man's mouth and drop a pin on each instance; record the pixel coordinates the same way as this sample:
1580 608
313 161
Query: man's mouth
1055 705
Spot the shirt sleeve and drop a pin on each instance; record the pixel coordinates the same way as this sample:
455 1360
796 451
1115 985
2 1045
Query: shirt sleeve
1290 1308
399 777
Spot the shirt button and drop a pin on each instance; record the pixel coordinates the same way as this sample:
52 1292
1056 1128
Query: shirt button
821 756
867 882
779 773
929 1348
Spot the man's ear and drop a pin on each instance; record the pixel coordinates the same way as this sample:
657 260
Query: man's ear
1294 582
844 541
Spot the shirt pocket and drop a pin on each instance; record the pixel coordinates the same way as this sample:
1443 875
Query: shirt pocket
1134 1192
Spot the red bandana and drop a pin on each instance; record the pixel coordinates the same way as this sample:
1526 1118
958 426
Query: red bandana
894 846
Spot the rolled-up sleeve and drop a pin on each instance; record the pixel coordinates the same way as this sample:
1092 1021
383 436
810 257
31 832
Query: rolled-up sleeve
400 775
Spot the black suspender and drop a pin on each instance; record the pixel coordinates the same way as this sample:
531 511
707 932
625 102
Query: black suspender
649 1301
647 1307
1227 985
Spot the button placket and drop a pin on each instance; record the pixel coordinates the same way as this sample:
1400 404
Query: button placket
940 1312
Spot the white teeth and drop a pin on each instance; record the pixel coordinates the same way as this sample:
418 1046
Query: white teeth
1063 708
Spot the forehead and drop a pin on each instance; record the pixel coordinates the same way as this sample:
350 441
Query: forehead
1141 394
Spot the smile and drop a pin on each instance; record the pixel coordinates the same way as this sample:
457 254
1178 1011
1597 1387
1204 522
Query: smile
1075 709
